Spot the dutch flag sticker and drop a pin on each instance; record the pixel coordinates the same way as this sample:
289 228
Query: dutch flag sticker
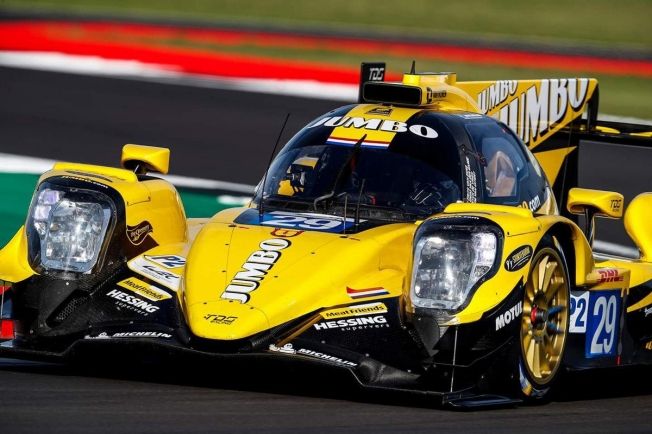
367 292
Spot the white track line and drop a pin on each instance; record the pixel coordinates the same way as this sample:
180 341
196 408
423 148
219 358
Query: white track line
169 74
35 166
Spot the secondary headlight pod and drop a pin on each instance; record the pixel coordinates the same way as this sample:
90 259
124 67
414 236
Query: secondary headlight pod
448 263
68 228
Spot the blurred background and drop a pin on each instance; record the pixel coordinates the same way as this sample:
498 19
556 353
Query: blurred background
214 79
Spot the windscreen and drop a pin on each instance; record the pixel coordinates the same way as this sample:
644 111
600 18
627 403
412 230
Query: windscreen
412 177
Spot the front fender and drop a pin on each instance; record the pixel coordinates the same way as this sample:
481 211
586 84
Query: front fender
14 265
521 230
582 254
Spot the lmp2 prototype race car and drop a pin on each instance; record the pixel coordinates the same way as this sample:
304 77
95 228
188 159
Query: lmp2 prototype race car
412 239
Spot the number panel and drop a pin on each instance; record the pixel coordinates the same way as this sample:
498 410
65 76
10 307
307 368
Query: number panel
603 323
307 221
579 304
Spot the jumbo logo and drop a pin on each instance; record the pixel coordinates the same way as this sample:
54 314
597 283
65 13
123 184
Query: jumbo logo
387 125
255 269
496 94
532 112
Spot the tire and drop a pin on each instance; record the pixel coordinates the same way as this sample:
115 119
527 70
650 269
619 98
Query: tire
544 323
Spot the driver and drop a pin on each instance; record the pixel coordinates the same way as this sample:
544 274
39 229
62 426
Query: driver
430 190
299 176
500 175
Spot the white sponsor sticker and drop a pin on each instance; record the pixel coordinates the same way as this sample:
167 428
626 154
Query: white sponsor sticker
167 261
158 274
143 289
579 308
105 335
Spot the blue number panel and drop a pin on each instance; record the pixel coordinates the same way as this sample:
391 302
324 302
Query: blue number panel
603 323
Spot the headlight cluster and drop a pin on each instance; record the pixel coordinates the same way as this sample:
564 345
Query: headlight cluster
71 226
448 264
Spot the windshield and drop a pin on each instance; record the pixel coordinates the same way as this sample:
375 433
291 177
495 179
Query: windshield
411 178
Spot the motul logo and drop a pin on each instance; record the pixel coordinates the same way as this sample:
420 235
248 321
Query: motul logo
508 316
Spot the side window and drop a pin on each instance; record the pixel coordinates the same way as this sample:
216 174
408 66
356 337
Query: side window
504 163
503 167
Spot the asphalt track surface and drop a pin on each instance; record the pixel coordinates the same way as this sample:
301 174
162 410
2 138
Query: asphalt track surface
214 134
228 135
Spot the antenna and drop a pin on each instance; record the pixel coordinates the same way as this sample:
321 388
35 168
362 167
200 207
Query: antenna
413 70
271 157
346 202
357 205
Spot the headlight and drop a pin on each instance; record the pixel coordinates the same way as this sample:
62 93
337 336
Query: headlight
70 227
447 265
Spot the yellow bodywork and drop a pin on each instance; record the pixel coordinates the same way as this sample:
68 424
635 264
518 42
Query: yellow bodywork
312 271
309 275
603 203
154 201
637 224
13 257
153 159
224 296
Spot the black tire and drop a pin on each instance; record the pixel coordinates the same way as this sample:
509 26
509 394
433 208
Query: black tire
539 350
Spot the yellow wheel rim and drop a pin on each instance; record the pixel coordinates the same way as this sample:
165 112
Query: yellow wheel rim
544 323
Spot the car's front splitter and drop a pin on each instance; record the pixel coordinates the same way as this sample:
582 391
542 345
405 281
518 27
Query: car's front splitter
369 375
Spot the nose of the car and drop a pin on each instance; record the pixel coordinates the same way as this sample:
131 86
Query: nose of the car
244 279
226 320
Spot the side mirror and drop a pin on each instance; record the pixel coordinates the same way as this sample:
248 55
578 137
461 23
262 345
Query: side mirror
142 159
591 203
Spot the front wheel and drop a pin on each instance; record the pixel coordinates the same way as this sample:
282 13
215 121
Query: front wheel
544 323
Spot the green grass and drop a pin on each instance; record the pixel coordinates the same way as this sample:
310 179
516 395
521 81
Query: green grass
592 22
16 191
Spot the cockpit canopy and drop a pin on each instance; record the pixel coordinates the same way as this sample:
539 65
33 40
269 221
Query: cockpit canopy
403 170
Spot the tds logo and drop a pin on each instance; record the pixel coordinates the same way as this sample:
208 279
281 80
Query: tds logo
377 73
220 319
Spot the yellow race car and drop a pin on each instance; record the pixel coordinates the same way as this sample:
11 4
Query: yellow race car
412 239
